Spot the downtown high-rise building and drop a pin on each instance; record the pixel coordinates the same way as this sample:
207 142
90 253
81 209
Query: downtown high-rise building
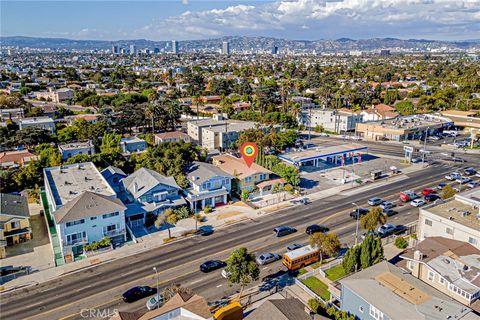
225 47
174 47
274 50
115 49
133 49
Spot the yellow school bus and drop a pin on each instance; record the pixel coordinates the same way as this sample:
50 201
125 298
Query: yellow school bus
300 257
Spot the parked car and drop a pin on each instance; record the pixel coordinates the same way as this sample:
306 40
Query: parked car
387 205
316 228
473 184
417 203
323 134
267 258
427 191
458 159
463 180
406 196
477 174
137 293
434 138
294 246
453 176
389 212
416 160
431 197
283 231
225 273
155 302
399 229
375 201
386 230
359 212
469 171
441 185
211 265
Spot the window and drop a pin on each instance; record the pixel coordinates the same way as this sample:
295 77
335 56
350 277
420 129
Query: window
76 237
360 309
449 231
76 222
93 218
248 179
410 264
441 279
428 222
472 240
375 313
15 224
431 275
108 215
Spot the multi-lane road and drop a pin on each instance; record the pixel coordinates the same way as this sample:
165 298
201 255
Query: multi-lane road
100 287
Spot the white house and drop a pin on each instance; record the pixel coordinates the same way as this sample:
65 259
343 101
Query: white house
38 122
83 207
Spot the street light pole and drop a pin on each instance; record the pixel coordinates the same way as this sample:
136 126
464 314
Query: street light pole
425 147
158 293
356 223
195 212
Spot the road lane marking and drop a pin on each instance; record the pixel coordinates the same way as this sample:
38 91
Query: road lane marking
187 273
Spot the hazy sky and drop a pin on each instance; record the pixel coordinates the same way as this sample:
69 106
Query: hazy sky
199 19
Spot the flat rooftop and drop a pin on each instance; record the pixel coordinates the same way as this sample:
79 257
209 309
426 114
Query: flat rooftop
321 152
36 120
76 145
413 122
458 211
67 182
232 126
132 139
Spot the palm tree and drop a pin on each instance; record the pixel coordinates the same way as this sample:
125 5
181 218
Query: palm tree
151 111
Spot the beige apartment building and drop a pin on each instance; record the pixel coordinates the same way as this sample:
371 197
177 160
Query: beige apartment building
457 218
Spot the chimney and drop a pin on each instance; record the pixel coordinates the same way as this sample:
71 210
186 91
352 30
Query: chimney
417 255
135 187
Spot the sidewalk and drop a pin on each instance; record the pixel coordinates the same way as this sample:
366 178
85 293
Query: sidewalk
221 217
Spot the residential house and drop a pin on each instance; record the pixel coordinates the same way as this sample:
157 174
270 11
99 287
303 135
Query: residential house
209 186
339 121
450 266
83 206
75 148
149 191
456 218
133 144
38 122
15 159
384 291
280 309
175 136
14 221
249 178
379 112
114 177
182 306
14 114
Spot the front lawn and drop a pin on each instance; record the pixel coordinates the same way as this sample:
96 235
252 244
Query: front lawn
335 273
318 287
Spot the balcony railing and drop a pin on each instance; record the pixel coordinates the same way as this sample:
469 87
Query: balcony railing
113 233
75 242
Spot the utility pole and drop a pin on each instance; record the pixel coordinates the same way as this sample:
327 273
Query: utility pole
356 224
309 122
195 212
424 147
158 293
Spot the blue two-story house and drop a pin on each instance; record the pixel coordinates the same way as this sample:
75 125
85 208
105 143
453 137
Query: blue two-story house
209 186
132 144
148 191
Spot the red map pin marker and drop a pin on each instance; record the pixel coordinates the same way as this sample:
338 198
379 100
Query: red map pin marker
249 152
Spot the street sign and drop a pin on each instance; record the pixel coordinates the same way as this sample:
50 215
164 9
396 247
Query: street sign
407 149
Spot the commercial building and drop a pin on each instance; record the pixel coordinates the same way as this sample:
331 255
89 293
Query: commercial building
84 208
384 291
457 219
14 221
72 149
38 122
450 266
339 121
174 47
465 119
315 156
217 133
403 128
225 48
133 49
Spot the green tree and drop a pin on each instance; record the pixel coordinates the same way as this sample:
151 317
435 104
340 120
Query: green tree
327 243
32 136
373 218
405 108
242 268
448 192
245 194
351 259
110 143
371 251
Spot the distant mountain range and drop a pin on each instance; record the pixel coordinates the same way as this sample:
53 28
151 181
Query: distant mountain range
242 43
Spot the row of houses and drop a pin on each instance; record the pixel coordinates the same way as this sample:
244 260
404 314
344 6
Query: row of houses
87 204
